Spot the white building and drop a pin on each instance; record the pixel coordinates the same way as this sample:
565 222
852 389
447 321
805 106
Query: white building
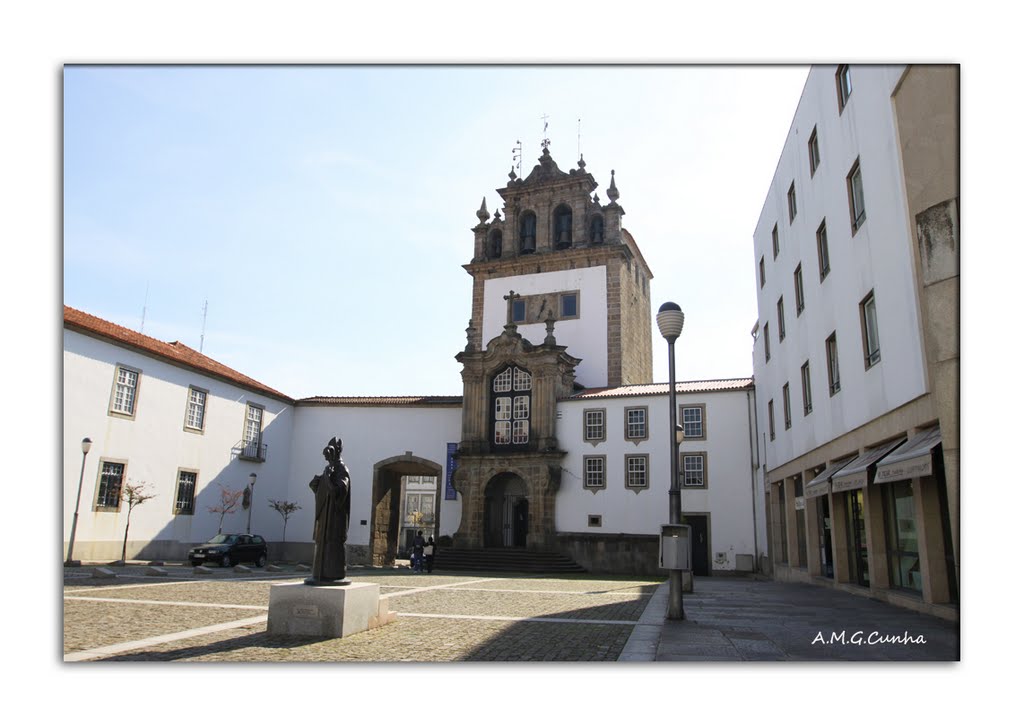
856 351
560 441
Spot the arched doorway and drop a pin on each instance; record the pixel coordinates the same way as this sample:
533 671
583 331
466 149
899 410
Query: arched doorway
506 512
388 493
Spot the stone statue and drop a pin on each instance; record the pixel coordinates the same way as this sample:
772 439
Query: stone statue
332 489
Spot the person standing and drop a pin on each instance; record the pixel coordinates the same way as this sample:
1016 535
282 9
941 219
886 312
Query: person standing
428 554
417 552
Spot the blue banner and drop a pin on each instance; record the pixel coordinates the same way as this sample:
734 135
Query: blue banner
449 469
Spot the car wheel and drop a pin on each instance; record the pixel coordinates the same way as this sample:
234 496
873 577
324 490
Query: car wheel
262 561
226 561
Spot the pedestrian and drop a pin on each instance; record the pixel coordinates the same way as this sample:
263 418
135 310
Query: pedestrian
417 552
428 554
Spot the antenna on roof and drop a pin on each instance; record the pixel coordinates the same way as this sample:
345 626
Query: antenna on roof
517 157
546 141
579 148
202 334
145 299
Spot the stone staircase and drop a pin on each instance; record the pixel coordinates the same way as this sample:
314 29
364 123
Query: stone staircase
524 561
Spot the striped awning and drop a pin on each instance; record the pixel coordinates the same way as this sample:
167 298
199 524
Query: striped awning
912 459
855 475
820 485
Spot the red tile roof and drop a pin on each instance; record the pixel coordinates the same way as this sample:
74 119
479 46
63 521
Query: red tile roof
173 352
437 401
691 386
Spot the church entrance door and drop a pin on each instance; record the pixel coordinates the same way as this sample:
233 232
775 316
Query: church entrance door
506 512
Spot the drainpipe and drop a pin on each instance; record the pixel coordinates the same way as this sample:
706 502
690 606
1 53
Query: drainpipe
755 465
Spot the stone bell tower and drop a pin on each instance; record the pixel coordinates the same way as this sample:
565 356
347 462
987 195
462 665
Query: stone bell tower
561 299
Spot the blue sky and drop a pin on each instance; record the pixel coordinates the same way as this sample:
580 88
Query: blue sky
323 212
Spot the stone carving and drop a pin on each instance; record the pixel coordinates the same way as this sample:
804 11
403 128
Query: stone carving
332 490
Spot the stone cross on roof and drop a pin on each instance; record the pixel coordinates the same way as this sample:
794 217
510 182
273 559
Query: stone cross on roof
511 297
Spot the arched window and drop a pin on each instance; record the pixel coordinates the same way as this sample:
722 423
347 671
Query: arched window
597 229
528 233
563 227
510 392
494 244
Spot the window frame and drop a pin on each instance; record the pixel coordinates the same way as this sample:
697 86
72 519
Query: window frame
798 288
844 86
781 314
250 405
111 410
767 344
813 152
775 241
703 407
871 357
646 458
805 387
791 201
96 505
177 510
562 297
821 236
646 426
761 270
703 456
603 460
855 194
511 387
604 426
188 409
832 363
787 411
518 311
771 419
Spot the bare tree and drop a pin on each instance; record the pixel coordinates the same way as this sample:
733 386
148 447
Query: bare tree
286 509
230 498
134 493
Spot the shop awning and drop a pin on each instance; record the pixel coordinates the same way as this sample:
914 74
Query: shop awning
855 475
819 486
912 459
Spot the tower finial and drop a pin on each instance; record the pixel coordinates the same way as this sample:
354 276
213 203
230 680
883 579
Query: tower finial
482 213
546 141
613 192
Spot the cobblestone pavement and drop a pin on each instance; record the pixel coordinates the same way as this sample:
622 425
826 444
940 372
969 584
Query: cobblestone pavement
742 619
221 616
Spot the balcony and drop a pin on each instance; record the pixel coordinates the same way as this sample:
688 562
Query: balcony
251 451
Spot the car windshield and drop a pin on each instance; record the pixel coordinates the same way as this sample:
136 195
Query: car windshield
222 539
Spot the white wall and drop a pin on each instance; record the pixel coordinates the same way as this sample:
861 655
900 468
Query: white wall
586 337
879 257
728 497
155 445
370 435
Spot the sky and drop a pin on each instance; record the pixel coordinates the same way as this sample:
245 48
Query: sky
321 214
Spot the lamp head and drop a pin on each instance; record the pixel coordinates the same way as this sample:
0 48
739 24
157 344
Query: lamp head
252 479
86 445
670 321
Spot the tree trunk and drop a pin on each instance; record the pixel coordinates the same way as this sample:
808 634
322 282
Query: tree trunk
124 546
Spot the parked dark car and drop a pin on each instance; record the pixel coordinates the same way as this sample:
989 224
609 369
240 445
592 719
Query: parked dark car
230 549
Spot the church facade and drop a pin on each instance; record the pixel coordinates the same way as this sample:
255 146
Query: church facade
559 442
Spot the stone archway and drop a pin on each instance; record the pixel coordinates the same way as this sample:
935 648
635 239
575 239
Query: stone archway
387 502
506 511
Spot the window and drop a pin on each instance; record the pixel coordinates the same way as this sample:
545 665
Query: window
692 417
775 241
761 269
528 233
563 227
126 387
253 431
596 229
844 86
791 200
511 417
694 470
594 520
869 331
494 245
108 490
832 358
195 411
782 319
805 383
812 151
569 305
184 497
636 472
787 414
593 472
798 288
771 419
518 310
822 235
636 424
855 187
902 547
593 426
767 344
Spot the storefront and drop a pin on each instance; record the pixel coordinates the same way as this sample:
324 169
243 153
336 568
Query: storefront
816 493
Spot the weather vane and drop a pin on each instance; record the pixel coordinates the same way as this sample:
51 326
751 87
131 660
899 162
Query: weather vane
546 142
517 157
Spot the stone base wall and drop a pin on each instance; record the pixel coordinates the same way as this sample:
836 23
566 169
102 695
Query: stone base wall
612 553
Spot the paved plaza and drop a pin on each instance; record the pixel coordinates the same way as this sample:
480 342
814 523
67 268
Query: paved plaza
183 615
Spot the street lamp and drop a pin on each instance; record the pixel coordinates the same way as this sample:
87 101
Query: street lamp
86 445
670 323
252 488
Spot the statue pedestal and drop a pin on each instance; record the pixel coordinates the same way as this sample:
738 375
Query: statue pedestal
326 611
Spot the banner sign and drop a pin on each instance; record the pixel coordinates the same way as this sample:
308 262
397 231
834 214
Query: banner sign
449 470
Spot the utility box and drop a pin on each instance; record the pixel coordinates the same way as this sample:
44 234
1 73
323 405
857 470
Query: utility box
674 547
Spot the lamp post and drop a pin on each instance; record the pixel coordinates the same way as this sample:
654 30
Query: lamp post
252 488
86 445
670 323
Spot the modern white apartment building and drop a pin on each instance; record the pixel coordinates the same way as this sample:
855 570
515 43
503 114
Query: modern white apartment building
856 349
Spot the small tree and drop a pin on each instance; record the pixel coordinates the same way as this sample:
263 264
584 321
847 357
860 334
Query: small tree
134 493
286 509
230 498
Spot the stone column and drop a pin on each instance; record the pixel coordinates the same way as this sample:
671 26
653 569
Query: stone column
814 567
792 540
840 538
874 526
930 545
